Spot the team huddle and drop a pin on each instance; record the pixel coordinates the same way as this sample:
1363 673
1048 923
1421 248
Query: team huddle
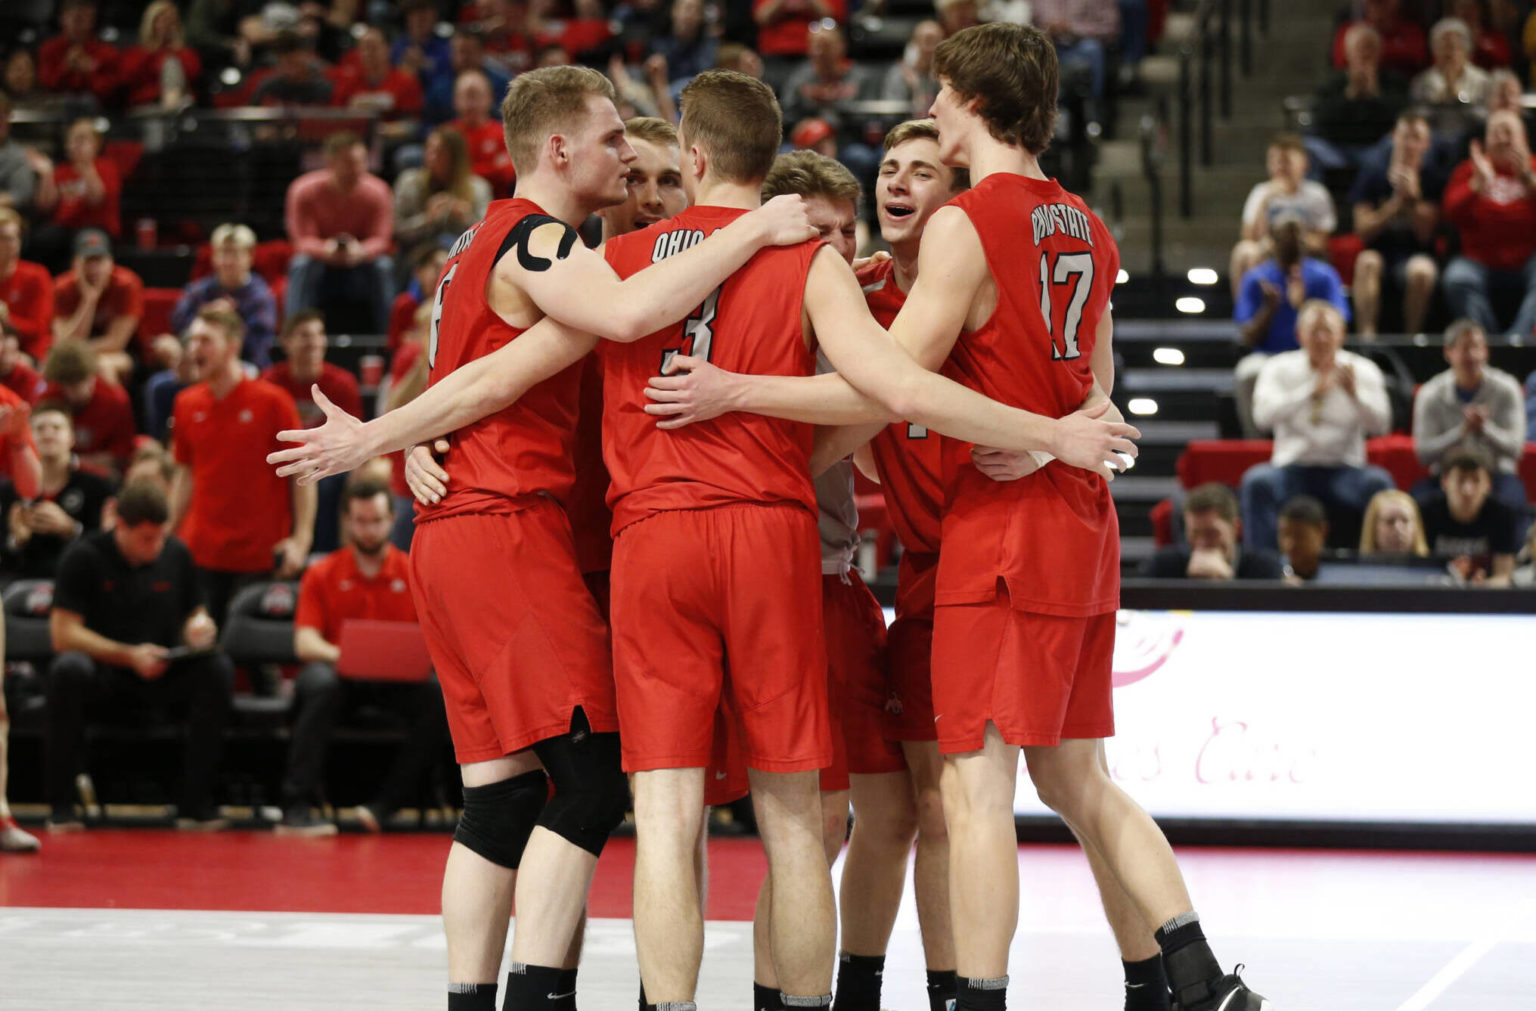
634 549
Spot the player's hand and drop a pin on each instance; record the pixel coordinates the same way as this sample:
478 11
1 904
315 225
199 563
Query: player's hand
693 391
333 448
1083 439
200 631
426 477
148 660
784 221
878 256
291 554
1002 465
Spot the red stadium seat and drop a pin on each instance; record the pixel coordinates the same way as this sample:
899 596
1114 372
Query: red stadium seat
159 303
1162 523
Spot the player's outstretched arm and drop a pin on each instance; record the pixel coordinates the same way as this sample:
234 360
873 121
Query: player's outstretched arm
469 393
577 286
696 390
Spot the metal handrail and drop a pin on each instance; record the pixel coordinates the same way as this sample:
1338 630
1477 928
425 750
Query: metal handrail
1209 52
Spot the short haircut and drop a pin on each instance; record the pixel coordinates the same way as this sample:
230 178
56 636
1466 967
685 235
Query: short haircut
1466 458
737 120
53 407
1288 142
1013 72
340 143
1459 329
1450 26
69 362
235 234
227 321
425 253
142 502
1413 114
810 175
298 319
546 101
928 129
155 453
365 489
1213 496
1305 509
651 130
1313 306
730 55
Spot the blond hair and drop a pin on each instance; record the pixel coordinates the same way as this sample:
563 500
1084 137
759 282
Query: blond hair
151 15
544 102
1373 511
234 234
736 119
651 130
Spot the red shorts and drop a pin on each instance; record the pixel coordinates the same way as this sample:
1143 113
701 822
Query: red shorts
909 658
1040 678
854 627
725 779
513 632
720 603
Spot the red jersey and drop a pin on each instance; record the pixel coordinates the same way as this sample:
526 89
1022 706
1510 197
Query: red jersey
590 518
28 298
909 460
240 508
751 324
103 424
74 213
488 157
335 590
525 449
1052 536
25 382
339 385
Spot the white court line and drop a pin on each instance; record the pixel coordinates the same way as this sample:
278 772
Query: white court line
1454 970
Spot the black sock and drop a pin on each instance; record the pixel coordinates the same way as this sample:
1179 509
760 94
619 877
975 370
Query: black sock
941 990
1146 988
1187 959
766 998
471 997
643 1004
531 987
981 994
858 982
567 991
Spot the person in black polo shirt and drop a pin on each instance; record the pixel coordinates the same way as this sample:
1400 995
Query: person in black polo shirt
68 504
1214 530
124 599
1466 525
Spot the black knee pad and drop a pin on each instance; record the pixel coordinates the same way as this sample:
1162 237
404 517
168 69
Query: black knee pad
499 817
591 791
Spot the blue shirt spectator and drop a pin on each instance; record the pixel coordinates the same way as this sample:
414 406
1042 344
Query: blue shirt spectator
1317 279
232 280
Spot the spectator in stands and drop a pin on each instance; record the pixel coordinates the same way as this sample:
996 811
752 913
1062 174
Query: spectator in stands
824 87
18 177
304 343
482 133
84 192
783 36
420 50
297 80
503 24
1287 191
426 269
19 81
1302 535
75 60
162 68
240 521
687 47
1491 201
1471 405
1213 528
124 598
466 53
15 374
1467 526
368 580
910 78
376 86
1080 29
1456 87
341 222
737 57
1490 48
1355 107
1322 402
956 15
1392 527
1403 48
68 503
1397 214
99 408
1270 297
235 286
438 201
584 35
26 291
1506 92
99 302
161 389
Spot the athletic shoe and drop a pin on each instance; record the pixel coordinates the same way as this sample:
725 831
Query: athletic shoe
15 839
368 818
303 822
1229 993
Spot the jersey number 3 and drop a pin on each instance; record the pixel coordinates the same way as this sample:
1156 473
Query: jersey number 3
698 333
1073 271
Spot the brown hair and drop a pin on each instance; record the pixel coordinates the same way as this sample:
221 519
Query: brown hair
927 129
1012 71
69 362
546 101
298 319
652 130
142 502
736 119
459 174
227 321
364 489
810 175
1213 496
1288 142
53 407
340 143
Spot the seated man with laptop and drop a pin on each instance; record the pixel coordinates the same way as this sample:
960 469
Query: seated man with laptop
355 631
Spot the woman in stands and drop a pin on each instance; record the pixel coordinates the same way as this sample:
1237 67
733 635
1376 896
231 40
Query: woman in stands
437 202
1393 527
161 69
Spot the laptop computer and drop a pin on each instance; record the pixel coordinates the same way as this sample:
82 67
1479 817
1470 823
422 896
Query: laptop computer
383 651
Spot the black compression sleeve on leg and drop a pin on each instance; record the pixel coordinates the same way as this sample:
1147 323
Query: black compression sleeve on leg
499 817
591 791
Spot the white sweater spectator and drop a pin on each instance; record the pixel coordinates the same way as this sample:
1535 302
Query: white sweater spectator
1317 420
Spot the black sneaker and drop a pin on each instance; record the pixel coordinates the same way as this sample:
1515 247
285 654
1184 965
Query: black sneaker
1229 993
302 821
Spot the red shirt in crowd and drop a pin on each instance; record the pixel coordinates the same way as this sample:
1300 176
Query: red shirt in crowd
240 508
334 590
9 399
316 210
124 297
1497 226
788 34
401 315
55 76
24 381
103 424
141 71
1403 48
74 212
398 94
488 157
28 298
339 385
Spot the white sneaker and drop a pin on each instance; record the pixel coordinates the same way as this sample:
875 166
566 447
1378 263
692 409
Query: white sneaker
15 839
